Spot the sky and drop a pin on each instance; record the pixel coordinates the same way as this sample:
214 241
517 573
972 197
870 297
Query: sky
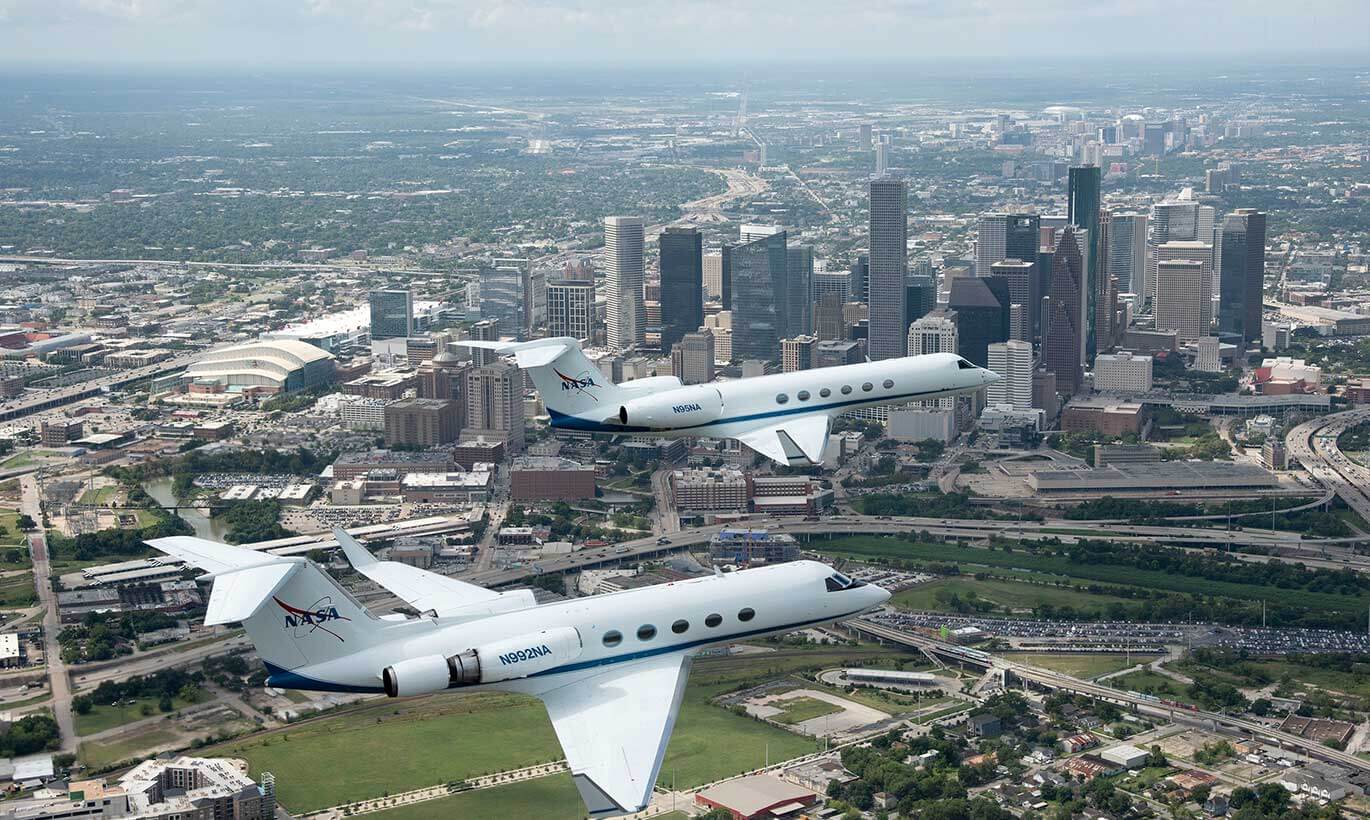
421 32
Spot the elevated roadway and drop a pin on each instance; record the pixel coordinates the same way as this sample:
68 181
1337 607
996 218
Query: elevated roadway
1055 680
1314 445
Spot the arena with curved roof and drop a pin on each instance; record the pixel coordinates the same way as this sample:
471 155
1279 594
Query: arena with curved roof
277 365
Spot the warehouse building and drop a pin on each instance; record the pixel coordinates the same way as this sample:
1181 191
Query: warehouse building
1155 477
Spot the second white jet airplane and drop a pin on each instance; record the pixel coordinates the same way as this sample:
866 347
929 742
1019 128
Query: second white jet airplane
785 416
610 668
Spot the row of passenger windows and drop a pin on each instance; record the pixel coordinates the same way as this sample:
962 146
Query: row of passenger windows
803 395
647 631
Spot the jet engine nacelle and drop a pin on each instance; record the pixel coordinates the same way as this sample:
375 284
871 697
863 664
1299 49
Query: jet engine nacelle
511 658
685 407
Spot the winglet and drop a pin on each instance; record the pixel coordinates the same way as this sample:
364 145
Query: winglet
357 555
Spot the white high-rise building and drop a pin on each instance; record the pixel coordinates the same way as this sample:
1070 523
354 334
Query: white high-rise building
625 311
1122 372
1012 360
934 333
752 232
1208 357
1184 301
571 309
1127 251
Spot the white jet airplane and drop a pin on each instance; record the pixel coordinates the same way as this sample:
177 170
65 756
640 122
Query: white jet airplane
783 416
610 668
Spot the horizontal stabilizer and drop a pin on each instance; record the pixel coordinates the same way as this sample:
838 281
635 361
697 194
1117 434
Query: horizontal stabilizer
528 354
423 590
238 594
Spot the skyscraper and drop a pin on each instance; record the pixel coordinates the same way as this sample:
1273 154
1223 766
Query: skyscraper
692 358
1083 213
682 284
392 314
502 299
831 281
934 333
494 404
860 278
571 309
798 290
1021 279
1127 251
1063 325
718 284
982 316
889 232
759 297
1012 360
1001 236
1183 301
797 353
625 313
1243 274
920 296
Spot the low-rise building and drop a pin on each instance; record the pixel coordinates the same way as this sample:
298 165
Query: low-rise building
756 796
1109 418
465 487
550 478
710 490
748 546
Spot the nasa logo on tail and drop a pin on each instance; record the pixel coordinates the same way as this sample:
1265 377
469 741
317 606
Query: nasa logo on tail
303 622
582 384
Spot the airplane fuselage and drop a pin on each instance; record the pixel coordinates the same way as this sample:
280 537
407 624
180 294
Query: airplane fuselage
728 408
602 630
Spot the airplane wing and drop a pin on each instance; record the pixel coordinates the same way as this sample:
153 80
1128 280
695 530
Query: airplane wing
421 589
614 726
805 435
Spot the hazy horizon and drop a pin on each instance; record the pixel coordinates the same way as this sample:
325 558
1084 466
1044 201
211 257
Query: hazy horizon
463 33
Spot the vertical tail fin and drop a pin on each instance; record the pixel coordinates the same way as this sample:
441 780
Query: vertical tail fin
567 381
295 614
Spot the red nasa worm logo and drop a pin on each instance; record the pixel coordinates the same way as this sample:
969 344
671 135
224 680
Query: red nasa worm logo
319 613
581 384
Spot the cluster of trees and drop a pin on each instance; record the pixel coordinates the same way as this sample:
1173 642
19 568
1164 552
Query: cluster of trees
111 543
29 735
251 521
101 637
167 686
929 505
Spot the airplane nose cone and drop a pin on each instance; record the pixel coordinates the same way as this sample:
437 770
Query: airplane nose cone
879 595
989 376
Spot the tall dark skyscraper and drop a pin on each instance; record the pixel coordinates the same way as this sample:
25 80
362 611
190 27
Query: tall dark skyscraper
889 265
682 284
1063 331
1242 277
982 316
1083 212
759 297
392 314
798 291
860 278
1021 279
920 297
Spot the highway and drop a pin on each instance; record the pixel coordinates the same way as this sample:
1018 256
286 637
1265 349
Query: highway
1314 445
36 401
58 681
1056 680
1324 553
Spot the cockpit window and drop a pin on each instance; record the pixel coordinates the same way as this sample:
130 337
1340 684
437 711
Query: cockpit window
962 364
838 582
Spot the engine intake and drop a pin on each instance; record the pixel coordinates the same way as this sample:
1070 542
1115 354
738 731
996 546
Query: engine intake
685 407
508 659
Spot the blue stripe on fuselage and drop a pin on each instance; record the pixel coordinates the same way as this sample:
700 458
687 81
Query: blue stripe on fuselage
285 679
569 422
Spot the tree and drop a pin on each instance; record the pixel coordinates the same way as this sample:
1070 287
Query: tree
1156 758
82 704
26 523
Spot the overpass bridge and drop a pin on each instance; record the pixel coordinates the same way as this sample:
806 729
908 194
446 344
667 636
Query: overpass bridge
1141 703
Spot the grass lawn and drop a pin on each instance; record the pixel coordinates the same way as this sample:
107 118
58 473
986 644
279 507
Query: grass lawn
1150 683
100 496
1056 565
17 591
9 520
1085 666
802 708
423 742
16 461
1012 595
1352 683
101 718
104 755
553 797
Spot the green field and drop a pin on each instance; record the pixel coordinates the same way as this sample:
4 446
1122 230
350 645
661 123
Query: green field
102 717
1150 683
16 461
100 496
17 591
1085 666
1010 595
554 797
1350 683
440 739
1064 567
102 755
799 709
423 742
11 536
